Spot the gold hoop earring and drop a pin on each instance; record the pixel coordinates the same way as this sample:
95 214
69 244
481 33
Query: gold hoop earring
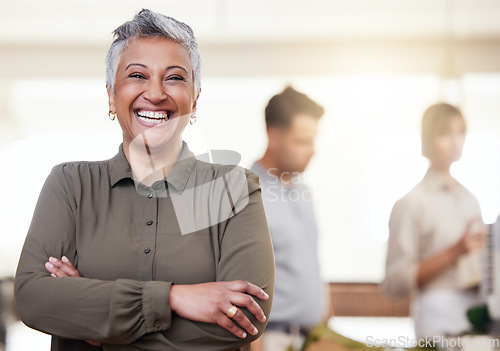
192 120
111 115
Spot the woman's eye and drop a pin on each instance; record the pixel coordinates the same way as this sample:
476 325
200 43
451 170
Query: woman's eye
175 78
136 75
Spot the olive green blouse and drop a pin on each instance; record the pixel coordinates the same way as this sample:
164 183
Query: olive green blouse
202 223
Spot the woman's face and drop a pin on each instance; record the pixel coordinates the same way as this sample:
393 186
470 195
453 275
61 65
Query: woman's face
154 92
449 142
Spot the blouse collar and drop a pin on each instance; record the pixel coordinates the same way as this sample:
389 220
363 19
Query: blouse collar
119 168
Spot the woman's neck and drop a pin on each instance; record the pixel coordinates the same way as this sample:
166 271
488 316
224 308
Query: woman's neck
443 170
150 164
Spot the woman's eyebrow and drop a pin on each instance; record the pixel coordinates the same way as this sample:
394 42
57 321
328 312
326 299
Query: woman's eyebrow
166 69
172 67
135 64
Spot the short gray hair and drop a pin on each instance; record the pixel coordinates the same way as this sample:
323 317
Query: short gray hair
147 24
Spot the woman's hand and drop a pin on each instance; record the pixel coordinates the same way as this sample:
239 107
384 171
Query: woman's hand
64 268
212 302
474 238
61 268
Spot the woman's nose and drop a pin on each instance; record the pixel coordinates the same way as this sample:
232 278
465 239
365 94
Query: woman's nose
155 92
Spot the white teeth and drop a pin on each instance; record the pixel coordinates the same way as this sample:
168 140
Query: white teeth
153 117
151 120
152 114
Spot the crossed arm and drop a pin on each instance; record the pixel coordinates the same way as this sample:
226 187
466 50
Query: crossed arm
207 302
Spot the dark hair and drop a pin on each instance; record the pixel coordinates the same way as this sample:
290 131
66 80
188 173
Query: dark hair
436 117
284 106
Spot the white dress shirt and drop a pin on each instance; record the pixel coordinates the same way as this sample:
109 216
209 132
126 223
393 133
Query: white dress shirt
429 219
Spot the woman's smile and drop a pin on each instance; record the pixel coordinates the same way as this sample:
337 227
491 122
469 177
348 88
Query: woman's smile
151 118
154 85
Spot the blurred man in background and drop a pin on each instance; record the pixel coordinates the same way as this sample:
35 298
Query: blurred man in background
292 124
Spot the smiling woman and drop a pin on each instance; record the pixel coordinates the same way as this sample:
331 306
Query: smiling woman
151 249
154 84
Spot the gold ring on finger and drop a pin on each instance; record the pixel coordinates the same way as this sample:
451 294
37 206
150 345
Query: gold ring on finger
232 311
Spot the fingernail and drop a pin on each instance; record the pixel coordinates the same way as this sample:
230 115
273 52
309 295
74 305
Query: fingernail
255 331
264 318
244 335
50 265
52 274
65 259
52 259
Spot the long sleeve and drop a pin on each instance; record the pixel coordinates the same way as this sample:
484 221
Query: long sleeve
402 255
119 311
245 254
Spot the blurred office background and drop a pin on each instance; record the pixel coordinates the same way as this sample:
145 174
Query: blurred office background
374 65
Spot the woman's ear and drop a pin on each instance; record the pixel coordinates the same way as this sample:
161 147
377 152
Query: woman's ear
195 102
111 100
